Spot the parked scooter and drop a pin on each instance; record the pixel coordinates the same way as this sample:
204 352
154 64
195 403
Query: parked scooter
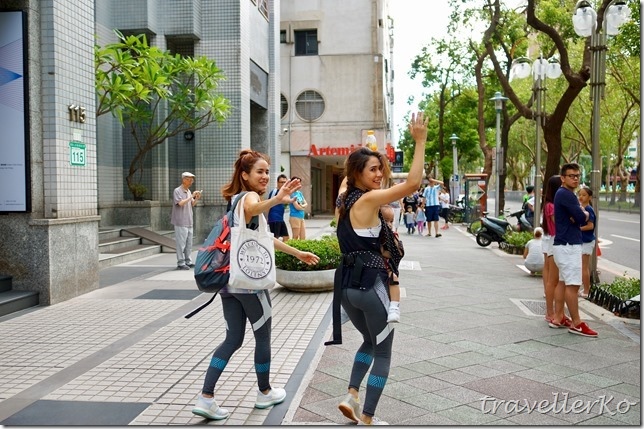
493 228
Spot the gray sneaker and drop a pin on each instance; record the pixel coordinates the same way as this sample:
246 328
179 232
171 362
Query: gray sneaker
275 396
208 409
350 407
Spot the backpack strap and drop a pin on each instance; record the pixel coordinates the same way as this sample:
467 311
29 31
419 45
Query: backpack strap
212 298
201 307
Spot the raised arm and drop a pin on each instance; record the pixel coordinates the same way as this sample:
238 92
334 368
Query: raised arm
418 130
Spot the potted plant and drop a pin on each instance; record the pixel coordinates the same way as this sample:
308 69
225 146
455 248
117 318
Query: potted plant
295 275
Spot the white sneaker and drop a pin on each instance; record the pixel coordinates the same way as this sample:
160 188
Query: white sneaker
350 407
393 316
208 409
344 317
275 396
374 421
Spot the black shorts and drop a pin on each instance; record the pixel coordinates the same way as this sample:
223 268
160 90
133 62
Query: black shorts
278 229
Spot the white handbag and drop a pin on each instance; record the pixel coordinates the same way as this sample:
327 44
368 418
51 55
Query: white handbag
252 257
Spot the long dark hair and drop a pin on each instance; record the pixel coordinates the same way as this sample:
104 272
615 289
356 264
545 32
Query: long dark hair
589 192
353 167
550 189
245 162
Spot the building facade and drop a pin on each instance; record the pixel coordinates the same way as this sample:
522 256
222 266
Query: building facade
75 163
336 84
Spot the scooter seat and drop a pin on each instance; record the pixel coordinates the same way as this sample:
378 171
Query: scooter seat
501 222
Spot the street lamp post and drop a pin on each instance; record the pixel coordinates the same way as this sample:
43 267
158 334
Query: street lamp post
585 23
498 106
540 70
455 188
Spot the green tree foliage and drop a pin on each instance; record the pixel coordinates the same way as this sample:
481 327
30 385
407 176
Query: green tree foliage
155 93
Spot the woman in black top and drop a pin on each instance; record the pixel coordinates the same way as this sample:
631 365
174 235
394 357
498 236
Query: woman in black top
363 274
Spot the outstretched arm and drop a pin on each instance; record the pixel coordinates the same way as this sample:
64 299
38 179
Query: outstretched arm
306 257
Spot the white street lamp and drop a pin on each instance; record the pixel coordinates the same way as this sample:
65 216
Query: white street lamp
455 188
541 69
498 106
584 20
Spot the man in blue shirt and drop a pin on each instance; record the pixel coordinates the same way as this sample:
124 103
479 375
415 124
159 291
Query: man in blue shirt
569 217
276 213
432 205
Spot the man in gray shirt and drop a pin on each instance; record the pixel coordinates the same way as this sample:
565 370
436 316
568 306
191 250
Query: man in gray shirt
183 201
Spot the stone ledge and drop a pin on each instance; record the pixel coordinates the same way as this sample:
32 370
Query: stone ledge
64 221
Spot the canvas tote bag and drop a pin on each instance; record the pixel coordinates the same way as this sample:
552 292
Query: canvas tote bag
252 257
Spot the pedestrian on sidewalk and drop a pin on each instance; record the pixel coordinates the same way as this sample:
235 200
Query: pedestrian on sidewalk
276 213
585 196
432 205
533 253
443 198
569 217
297 214
410 220
362 278
239 305
550 274
420 218
181 219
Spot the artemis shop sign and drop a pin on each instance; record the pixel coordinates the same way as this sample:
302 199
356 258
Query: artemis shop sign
346 150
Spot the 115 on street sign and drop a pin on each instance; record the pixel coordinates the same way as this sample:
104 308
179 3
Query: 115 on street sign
77 153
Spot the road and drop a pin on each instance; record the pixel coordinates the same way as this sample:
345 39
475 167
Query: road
619 235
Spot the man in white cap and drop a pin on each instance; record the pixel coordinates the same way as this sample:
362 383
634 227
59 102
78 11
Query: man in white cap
183 201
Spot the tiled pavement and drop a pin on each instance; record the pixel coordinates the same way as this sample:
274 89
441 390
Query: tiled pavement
470 328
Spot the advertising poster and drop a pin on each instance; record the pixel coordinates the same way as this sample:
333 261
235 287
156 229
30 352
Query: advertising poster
13 135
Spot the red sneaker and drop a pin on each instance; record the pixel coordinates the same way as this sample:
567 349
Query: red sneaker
582 329
567 321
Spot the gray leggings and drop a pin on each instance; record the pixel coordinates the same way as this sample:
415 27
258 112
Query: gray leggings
256 307
368 315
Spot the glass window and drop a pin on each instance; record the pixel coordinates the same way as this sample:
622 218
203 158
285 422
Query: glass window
306 42
282 36
263 7
309 105
284 104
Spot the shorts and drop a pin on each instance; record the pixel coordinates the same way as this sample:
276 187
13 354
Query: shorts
587 248
546 244
431 213
568 261
278 228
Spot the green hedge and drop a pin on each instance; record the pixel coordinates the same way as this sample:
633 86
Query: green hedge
327 248
622 287
519 239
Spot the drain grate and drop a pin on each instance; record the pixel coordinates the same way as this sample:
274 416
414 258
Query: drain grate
537 307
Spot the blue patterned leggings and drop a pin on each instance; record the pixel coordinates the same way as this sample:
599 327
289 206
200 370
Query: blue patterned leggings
368 315
255 307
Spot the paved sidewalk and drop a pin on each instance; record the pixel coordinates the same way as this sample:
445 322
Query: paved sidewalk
472 325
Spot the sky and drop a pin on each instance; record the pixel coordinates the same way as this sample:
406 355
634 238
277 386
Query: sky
415 23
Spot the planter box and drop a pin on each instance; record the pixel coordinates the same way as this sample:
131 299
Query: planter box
613 303
306 281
